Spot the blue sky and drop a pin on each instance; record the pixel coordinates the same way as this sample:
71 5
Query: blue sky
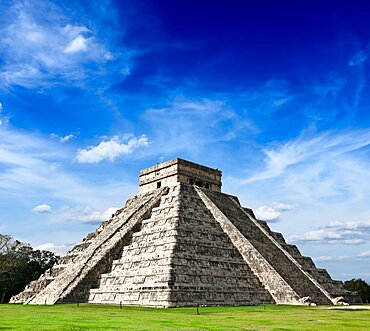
275 94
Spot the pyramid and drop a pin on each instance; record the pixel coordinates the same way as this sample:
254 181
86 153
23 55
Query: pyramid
181 242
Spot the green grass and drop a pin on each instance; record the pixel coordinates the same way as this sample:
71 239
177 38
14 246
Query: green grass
98 317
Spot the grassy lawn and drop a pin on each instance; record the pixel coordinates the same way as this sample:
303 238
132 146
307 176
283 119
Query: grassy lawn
97 317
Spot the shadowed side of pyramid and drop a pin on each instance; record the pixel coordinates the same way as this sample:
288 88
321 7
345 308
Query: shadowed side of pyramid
181 242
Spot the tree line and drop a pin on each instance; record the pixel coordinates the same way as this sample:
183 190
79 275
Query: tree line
19 265
359 286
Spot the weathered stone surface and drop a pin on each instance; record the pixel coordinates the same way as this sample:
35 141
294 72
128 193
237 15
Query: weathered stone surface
179 171
182 242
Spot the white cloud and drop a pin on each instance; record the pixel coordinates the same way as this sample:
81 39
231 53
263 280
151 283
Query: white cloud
78 44
358 58
267 213
63 139
88 215
41 209
282 206
58 249
272 213
66 138
326 258
111 149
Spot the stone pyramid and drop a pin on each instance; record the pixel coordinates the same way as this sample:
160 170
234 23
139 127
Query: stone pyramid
181 242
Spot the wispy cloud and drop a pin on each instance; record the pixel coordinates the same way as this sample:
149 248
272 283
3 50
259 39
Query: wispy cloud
358 58
335 258
350 233
328 89
350 225
111 149
63 139
365 254
269 98
4 120
190 124
1 109
43 45
84 214
328 258
316 149
66 138
78 44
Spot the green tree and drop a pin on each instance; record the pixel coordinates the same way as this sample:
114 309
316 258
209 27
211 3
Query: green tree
360 286
20 264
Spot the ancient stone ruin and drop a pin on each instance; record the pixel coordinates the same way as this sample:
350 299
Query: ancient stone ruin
181 242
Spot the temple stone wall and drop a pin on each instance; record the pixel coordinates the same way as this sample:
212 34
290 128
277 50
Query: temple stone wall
176 171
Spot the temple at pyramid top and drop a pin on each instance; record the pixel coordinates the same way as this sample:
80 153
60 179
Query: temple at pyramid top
176 171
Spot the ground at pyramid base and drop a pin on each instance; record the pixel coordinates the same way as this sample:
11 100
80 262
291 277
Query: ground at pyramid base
181 242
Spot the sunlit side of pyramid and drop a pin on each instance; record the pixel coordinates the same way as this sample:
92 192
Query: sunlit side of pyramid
181 242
